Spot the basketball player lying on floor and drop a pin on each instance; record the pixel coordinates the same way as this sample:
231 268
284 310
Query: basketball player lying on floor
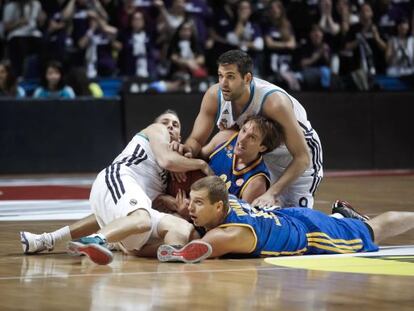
122 195
235 227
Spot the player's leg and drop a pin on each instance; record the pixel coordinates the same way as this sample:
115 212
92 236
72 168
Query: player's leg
36 243
390 224
127 219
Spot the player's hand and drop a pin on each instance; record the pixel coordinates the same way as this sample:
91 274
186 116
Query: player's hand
206 169
181 149
182 204
265 200
178 177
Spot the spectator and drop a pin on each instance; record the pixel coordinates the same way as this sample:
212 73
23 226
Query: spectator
21 23
8 81
53 83
136 47
280 44
327 23
184 52
98 42
400 52
78 14
366 50
54 32
315 59
246 35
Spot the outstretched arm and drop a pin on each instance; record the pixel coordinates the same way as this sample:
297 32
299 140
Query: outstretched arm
234 239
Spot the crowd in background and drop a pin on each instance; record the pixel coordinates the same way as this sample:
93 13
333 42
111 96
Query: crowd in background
297 44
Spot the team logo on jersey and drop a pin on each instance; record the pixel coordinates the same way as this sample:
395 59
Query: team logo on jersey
133 202
229 151
239 182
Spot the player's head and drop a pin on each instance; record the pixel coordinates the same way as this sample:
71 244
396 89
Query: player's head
258 135
209 202
170 119
235 72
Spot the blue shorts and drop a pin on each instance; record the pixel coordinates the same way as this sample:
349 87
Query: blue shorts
329 235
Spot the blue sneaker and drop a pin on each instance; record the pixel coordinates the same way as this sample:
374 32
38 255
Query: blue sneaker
95 247
193 252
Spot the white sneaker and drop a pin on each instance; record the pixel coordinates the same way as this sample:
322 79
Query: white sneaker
36 243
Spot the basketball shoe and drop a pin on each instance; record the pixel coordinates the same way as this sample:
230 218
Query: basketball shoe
93 246
346 210
36 243
192 252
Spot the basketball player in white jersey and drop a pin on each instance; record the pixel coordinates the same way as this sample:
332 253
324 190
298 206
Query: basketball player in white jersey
296 166
122 195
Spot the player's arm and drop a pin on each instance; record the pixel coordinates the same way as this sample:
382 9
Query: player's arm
167 158
218 139
255 188
204 123
234 239
279 108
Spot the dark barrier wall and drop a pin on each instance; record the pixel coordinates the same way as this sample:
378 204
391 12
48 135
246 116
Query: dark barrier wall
59 136
358 131
141 109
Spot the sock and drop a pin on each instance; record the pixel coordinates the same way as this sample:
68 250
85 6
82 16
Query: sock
61 235
337 216
100 235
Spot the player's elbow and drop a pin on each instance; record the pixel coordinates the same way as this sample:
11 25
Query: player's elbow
305 160
166 163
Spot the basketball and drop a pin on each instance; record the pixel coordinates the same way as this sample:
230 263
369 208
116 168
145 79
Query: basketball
174 186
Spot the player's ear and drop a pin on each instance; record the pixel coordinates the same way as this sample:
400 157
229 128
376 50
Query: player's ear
248 77
262 148
219 205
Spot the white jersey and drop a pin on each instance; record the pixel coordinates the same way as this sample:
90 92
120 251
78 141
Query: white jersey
278 160
137 161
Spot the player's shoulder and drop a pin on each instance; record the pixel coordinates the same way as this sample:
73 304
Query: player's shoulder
154 129
212 91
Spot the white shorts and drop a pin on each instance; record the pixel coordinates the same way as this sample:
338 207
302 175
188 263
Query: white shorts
300 193
134 198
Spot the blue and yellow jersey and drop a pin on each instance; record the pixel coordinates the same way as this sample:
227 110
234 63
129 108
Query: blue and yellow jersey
223 163
298 231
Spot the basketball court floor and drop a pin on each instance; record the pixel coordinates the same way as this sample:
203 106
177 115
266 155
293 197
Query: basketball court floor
57 281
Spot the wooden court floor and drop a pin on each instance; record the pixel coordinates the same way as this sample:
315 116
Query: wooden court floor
56 281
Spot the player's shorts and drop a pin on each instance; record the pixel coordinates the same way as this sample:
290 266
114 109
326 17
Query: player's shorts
329 235
301 191
134 198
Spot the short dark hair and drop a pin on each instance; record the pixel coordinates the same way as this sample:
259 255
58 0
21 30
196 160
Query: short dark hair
271 131
170 111
241 59
217 190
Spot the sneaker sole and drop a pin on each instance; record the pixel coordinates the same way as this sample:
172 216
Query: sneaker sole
98 254
191 253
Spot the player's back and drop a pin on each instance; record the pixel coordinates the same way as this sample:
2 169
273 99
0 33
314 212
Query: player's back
275 234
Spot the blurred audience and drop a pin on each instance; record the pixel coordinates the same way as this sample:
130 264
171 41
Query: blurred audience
176 40
53 84
8 81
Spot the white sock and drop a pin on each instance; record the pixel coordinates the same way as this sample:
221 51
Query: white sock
61 235
337 215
